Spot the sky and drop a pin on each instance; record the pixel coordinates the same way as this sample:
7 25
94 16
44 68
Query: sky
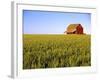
47 22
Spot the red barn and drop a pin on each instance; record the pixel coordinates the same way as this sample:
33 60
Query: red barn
74 29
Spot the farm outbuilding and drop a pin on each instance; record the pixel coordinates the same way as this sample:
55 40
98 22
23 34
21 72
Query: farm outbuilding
74 29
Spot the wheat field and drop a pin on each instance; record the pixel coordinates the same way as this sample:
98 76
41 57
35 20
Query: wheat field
55 51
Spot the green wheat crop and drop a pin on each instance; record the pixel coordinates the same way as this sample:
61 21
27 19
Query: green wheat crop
52 51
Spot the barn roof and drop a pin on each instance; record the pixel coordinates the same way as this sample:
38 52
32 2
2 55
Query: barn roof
72 27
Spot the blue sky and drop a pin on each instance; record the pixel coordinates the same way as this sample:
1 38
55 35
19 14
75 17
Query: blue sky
45 22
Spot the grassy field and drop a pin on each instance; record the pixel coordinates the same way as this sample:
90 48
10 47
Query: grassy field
52 51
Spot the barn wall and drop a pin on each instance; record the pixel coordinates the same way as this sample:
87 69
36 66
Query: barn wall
79 29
